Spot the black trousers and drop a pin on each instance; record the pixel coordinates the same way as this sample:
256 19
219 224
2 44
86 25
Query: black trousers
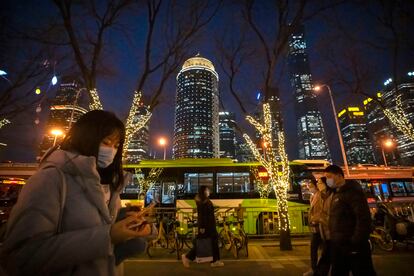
316 242
358 262
324 263
214 245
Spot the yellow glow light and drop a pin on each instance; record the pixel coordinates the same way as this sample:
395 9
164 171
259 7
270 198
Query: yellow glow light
367 101
38 91
341 113
56 132
353 108
358 113
4 122
379 94
388 143
95 100
162 141
400 120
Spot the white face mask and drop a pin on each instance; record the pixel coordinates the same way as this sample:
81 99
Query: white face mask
106 156
330 182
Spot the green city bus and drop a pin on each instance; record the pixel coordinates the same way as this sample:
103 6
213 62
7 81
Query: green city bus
232 186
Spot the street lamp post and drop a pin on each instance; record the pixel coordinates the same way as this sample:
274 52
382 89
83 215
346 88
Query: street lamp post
388 144
163 143
56 133
341 142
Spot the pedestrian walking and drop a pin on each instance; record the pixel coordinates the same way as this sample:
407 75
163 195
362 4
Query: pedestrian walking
64 220
206 228
349 226
315 212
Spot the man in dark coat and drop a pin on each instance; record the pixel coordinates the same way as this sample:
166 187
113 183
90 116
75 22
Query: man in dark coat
349 225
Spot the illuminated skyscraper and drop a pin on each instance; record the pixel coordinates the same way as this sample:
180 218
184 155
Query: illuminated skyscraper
381 128
138 148
354 130
227 127
196 128
311 133
70 103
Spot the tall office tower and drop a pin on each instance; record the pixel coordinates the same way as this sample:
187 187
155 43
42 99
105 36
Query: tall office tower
404 90
243 153
138 148
354 130
311 133
227 127
380 130
196 128
70 103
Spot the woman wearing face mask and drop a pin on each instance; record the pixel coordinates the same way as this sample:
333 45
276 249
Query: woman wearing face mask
314 220
64 220
206 227
326 194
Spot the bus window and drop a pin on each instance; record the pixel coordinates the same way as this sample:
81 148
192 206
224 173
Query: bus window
206 179
168 193
305 189
398 188
385 192
191 183
241 182
224 182
410 187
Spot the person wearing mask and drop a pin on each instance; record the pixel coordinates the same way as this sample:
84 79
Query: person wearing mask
349 226
314 220
64 220
326 193
206 227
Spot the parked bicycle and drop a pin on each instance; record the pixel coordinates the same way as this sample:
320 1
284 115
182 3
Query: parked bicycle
381 237
167 237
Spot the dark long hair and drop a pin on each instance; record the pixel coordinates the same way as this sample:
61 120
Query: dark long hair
202 193
86 135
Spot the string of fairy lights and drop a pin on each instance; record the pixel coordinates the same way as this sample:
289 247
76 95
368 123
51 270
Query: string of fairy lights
399 119
4 122
95 100
145 184
133 124
278 171
262 187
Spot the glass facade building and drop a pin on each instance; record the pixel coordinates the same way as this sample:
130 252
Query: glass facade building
354 130
70 103
196 127
381 128
227 126
138 148
311 133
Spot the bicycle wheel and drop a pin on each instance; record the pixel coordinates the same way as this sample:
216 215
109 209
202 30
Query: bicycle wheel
385 242
188 239
245 243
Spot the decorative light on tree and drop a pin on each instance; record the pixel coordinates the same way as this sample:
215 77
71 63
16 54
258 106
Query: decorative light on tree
132 124
4 122
278 170
263 188
399 119
146 183
95 100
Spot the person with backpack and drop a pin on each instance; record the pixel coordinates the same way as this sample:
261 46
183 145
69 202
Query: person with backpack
64 220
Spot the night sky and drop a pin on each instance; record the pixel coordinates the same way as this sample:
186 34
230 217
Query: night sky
123 56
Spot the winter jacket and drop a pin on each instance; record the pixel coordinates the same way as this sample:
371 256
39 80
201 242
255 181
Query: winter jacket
350 218
205 218
315 210
326 210
83 245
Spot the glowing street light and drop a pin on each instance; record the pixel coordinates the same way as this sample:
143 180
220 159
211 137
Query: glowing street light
56 133
163 142
341 142
388 143
3 73
54 80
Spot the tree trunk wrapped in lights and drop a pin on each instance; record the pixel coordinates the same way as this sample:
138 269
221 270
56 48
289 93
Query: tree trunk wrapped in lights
146 183
278 171
95 103
4 122
399 119
132 125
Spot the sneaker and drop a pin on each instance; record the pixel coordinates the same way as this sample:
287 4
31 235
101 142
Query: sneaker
217 264
308 273
185 260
